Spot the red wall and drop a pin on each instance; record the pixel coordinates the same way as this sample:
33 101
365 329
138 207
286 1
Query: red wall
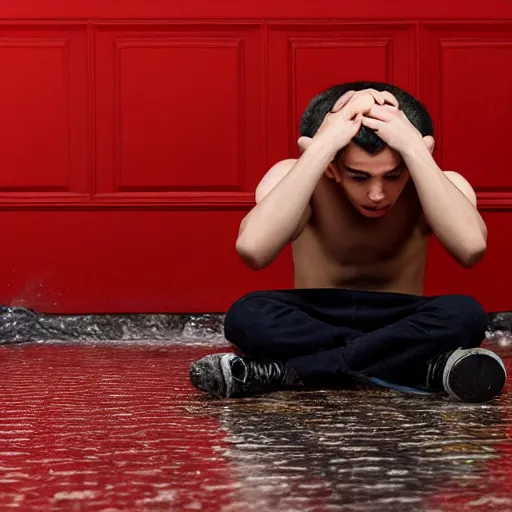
134 135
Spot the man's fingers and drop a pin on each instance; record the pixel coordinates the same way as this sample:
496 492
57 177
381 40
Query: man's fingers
377 96
359 104
374 124
358 120
389 98
361 101
342 101
383 112
382 97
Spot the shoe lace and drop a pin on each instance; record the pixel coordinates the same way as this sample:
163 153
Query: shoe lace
263 373
267 372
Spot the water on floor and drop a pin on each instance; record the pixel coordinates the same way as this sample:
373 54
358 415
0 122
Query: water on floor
115 427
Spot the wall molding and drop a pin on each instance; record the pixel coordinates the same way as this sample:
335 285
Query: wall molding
487 201
494 201
130 201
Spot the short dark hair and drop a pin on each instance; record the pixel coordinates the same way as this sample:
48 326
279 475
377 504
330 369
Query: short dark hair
366 138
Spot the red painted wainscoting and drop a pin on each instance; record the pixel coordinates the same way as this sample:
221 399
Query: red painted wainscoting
134 135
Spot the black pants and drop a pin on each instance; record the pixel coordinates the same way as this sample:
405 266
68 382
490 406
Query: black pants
327 333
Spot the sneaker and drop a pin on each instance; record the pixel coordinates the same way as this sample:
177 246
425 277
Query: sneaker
230 375
468 375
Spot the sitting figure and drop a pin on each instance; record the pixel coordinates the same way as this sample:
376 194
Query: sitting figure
358 207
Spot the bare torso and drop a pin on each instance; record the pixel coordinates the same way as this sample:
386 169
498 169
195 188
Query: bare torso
339 248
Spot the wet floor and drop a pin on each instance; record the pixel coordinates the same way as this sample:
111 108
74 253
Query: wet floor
116 427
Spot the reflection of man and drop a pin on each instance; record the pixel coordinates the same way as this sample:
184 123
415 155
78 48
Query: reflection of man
358 207
383 454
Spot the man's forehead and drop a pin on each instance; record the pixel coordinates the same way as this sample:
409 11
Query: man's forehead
358 159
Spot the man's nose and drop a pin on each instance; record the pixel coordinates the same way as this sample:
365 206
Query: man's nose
376 193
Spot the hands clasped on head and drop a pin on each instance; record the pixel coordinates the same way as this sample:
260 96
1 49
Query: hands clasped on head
377 110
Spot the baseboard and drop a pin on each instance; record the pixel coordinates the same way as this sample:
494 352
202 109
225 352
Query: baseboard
19 325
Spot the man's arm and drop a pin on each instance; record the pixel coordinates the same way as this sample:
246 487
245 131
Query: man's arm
283 196
450 207
282 207
447 199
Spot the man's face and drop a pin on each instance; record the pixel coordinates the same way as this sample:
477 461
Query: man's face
372 183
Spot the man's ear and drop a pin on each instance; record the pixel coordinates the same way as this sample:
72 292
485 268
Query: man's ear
430 143
333 173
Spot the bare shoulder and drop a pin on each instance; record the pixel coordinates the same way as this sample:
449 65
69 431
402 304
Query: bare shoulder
273 176
462 184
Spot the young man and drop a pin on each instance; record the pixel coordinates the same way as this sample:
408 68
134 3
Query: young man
358 207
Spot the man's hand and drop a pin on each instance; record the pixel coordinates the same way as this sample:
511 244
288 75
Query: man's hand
379 98
343 122
393 127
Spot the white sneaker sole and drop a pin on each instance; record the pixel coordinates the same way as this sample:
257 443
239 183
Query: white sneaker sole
474 375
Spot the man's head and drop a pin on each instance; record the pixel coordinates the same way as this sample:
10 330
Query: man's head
323 103
372 174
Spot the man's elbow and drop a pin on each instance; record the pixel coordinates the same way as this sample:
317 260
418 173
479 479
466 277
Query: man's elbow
250 255
474 254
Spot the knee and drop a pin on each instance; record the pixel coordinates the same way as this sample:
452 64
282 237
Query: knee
244 309
469 310
249 324
466 314
245 316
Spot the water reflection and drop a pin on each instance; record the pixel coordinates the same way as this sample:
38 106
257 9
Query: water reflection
110 426
365 450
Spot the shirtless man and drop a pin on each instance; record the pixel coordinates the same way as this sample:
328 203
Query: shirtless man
358 206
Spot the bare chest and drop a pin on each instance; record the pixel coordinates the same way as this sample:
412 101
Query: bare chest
351 239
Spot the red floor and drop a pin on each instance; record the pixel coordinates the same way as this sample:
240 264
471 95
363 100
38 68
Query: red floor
118 428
